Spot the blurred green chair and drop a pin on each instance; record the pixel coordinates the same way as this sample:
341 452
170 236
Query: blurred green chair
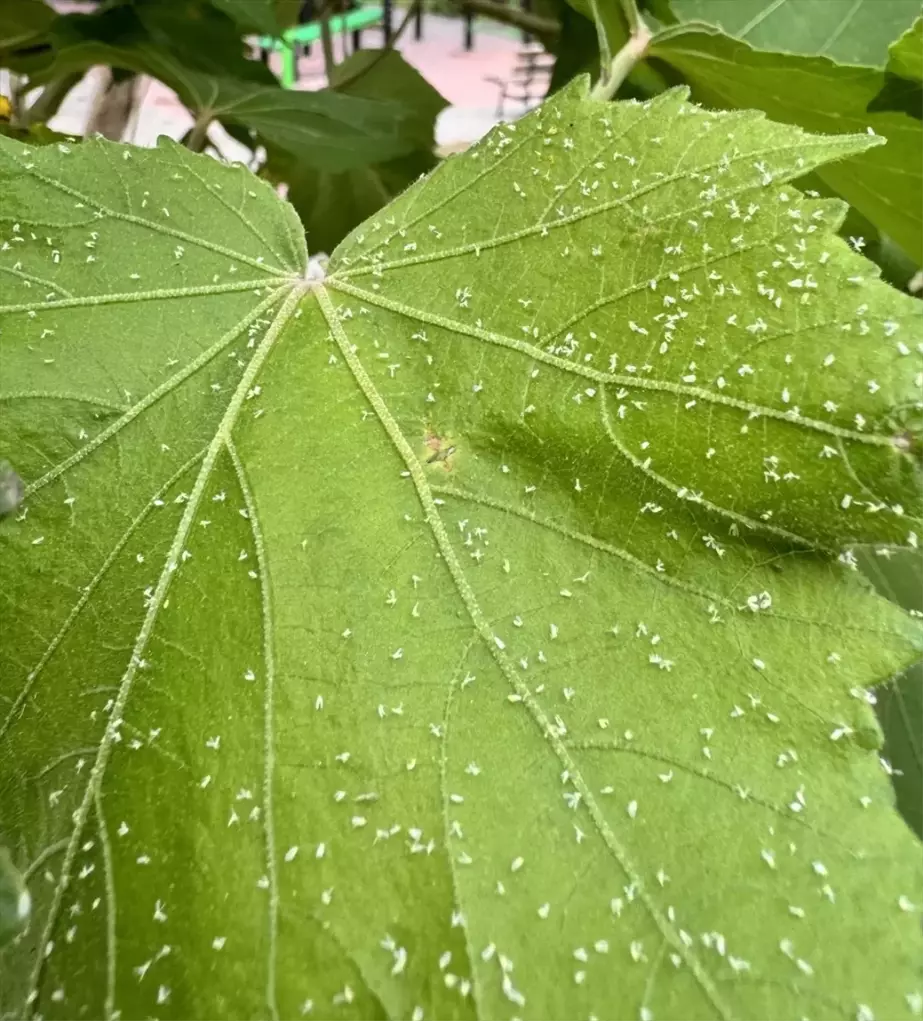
308 33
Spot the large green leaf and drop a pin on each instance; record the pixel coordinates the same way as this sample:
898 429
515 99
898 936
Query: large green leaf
331 204
266 16
898 575
900 709
897 268
463 634
884 184
326 129
162 38
903 87
848 31
22 20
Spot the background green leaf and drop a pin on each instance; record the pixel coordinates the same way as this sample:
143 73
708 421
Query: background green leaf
900 709
577 50
883 184
329 204
905 56
34 134
847 31
159 38
903 87
326 129
898 575
198 52
266 16
658 12
462 635
21 20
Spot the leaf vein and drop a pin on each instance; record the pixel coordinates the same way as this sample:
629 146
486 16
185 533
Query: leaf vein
584 539
599 376
111 910
272 870
699 501
154 396
87 593
152 225
31 278
53 395
126 683
483 629
158 294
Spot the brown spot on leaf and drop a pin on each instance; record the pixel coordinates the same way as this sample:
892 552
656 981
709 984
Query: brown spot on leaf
440 450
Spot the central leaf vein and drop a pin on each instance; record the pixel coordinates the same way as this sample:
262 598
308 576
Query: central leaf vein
481 625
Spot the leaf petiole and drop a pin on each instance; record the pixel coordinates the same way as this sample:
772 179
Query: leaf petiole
621 65
198 135
632 16
605 54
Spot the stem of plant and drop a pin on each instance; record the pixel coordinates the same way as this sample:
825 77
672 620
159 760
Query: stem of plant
326 42
15 89
344 80
622 63
50 99
632 16
199 135
602 37
405 21
528 22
